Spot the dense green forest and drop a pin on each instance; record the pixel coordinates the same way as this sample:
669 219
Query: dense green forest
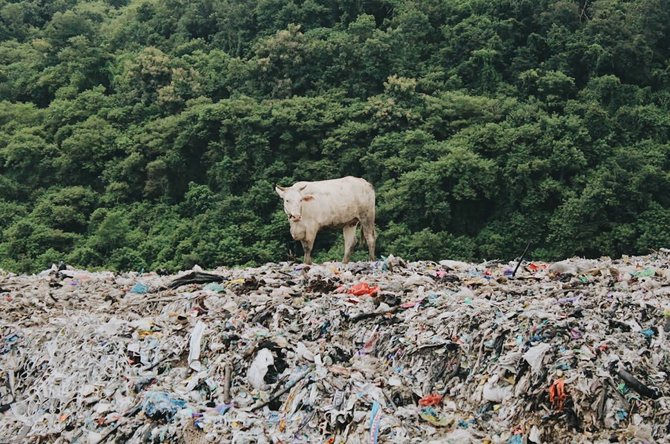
149 134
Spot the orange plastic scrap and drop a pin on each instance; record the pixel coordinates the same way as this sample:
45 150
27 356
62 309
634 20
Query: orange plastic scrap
363 289
557 394
430 400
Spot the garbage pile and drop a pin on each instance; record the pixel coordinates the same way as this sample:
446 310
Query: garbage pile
375 352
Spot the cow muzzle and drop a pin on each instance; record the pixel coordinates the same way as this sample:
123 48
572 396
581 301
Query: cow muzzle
294 218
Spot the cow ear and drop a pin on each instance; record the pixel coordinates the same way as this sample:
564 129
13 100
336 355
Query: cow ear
280 190
308 198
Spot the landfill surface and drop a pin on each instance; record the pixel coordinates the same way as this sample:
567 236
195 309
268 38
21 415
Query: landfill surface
368 352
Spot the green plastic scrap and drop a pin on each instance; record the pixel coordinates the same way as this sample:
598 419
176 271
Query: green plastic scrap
647 272
215 287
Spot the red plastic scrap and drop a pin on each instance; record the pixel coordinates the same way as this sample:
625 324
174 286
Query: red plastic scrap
430 400
557 394
363 289
536 267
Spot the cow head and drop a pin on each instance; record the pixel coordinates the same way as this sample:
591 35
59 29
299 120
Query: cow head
293 200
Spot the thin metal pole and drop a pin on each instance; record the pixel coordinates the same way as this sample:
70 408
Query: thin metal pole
523 255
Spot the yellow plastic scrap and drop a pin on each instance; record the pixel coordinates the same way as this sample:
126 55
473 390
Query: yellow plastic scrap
429 415
146 333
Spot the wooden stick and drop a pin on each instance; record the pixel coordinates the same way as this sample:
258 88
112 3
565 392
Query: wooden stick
132 412
227 379
362 316
280 392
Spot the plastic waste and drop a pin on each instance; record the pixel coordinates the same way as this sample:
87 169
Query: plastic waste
215 287
197 276
557 395
140 288
259 368
194 344
450 352
533 267
535 355
161 405
430 415
363 289
494 393
431 400
8 342
375 418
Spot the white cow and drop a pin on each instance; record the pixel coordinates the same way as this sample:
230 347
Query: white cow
337 203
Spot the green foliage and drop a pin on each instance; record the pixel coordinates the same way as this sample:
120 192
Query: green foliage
65 208
150 134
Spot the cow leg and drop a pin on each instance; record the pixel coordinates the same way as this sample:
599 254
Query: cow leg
369 233
307 245
349 241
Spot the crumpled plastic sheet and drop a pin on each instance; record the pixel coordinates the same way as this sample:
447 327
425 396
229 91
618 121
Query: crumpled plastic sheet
574 351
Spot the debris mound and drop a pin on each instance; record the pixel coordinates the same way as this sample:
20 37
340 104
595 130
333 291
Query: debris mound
382 352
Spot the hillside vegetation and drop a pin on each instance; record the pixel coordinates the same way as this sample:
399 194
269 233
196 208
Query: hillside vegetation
149 134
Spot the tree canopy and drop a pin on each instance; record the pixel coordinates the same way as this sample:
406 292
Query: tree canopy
146 134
